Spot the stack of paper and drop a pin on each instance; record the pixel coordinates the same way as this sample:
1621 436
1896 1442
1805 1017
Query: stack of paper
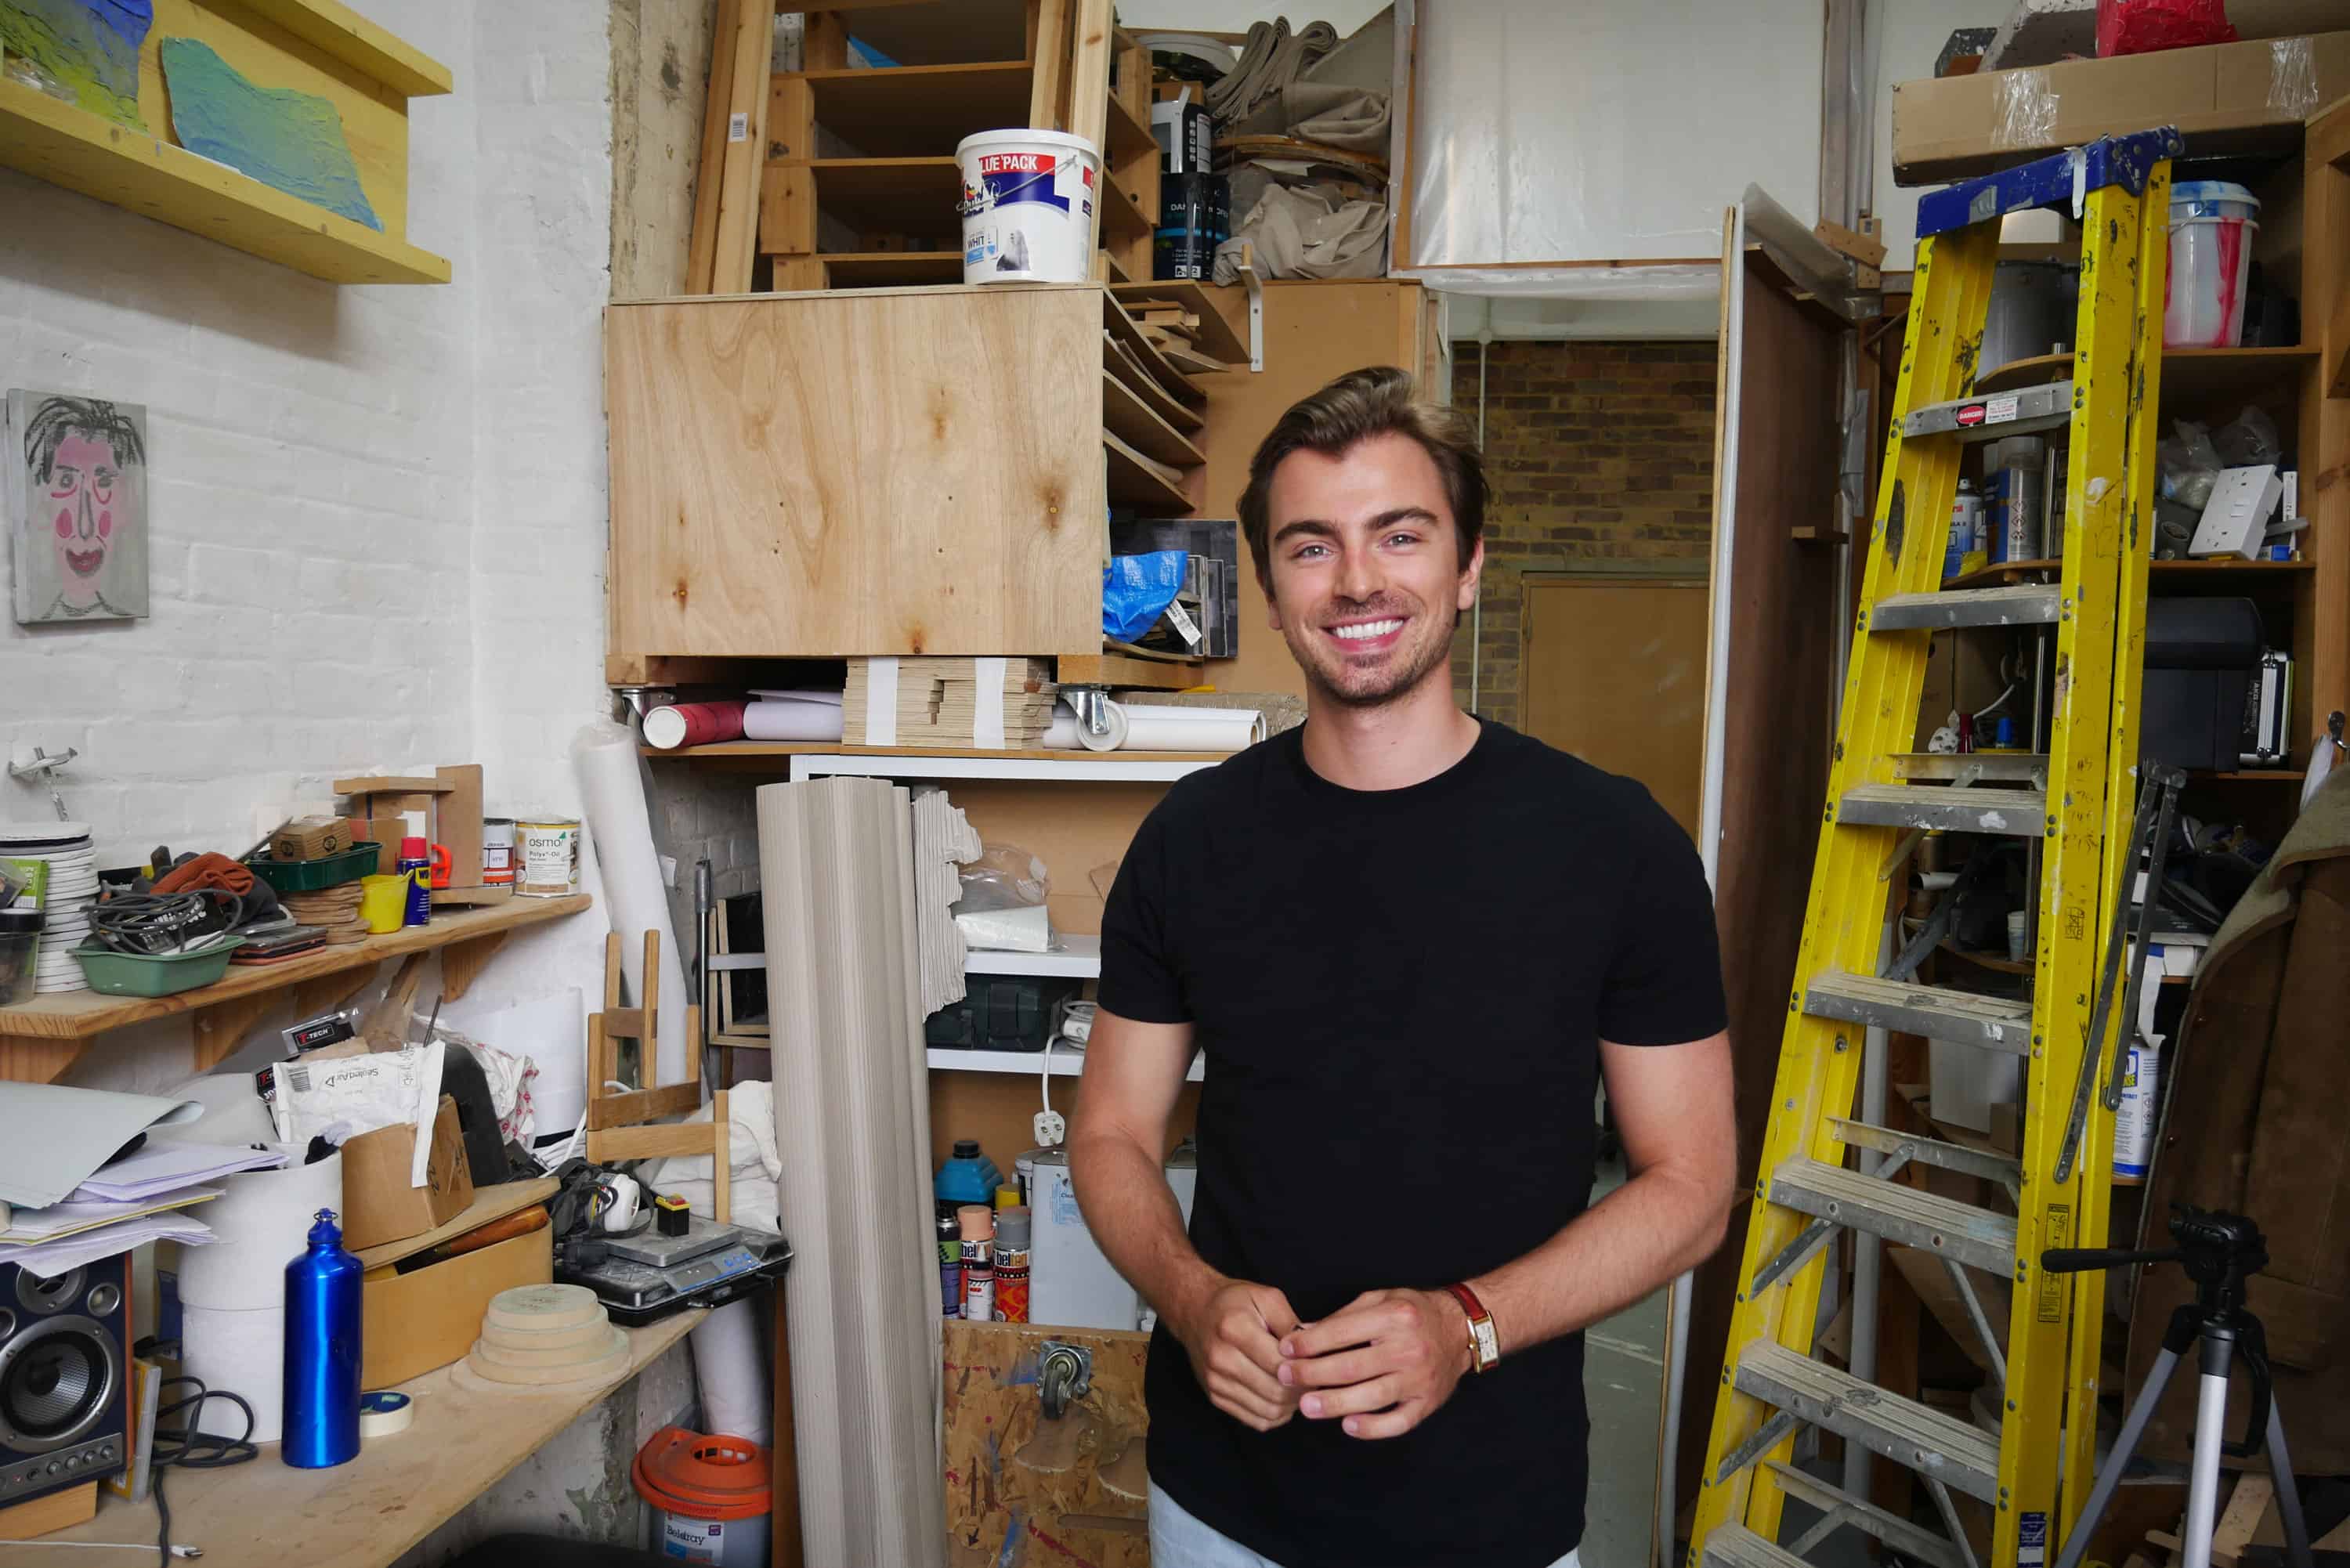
944 840
980 704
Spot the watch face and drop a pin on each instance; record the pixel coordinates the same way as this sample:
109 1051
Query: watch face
1489 1349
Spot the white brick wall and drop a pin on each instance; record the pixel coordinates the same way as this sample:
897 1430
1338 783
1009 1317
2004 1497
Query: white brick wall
377 514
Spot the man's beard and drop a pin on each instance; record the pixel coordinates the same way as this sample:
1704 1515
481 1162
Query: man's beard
1328 673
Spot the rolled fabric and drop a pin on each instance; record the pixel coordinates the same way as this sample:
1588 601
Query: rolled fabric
785 719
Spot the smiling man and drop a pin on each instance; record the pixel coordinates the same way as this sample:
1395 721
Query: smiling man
1412 944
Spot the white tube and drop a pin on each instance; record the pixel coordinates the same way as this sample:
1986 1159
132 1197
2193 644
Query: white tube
612 792
730 1375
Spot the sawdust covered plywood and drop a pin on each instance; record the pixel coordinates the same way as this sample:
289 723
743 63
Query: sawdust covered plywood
1022 1490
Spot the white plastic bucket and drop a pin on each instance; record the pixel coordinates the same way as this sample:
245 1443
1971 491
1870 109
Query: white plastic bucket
723 1542
1027 206
2212 234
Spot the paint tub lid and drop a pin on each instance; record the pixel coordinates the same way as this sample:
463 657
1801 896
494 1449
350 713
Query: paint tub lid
977 1220
702 1477
1012 1228
2211 190
981 139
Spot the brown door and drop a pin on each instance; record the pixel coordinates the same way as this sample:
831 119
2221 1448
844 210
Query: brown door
1614 670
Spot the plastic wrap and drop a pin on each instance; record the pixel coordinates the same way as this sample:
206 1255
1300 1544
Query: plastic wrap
2026 111
1534 127
2293 78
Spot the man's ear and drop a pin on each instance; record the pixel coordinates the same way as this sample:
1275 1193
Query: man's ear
1272 604
1470 576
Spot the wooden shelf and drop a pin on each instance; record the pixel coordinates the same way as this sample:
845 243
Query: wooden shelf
2194 372
1122 218
898 195
2264 775
2271 568
892 269
1126 416
1115 668
68 145
1134 482
2037 371
2001 574
38 1040
755 754
1128 136
912 111
1067 1063
1127 334
1994 961
1218 338
1154 397
369 1514
1079 956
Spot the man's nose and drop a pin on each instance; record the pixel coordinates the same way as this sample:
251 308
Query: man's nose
86 514
1358 574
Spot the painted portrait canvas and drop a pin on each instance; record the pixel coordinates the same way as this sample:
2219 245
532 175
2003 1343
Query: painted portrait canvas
77 483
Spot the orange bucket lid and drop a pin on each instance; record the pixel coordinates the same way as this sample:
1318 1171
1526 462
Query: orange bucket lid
702 1477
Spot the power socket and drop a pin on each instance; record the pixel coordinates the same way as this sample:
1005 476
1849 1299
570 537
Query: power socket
1050 1127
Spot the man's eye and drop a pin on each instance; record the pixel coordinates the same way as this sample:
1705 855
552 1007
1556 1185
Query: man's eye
1403 538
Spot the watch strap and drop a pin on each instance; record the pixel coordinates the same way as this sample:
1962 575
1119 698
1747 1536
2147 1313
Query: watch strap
1484 1342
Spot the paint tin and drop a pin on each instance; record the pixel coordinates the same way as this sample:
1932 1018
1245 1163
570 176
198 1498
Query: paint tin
497 852
2141 1107
548 856
1028 206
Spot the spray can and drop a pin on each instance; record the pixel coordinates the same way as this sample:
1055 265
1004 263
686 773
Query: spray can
978 1236
417 867
949 1267
2141 1107
1012 1265
322 1352
1966 529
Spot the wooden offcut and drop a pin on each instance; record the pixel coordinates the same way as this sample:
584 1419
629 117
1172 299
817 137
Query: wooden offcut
736 244
780 463
710 171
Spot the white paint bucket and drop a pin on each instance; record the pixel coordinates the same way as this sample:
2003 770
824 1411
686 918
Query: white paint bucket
2212 234
1027 206
2141 1107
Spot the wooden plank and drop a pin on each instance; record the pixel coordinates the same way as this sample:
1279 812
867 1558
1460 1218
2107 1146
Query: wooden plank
823 42
611 1110
1129 335
70 146
342 34
787 211
915 111
369 1514
787 1549
755 751
892 269
658 52
1048 105
381 784
942 32
1135 480
78 1014
1218 336
906 195
1089 85
647 1143
1010 1467
1121 365
1113 669
710 168
745 152
893 410
490 1204
1130 419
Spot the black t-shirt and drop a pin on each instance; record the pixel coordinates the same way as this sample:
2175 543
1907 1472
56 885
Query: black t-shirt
1400 994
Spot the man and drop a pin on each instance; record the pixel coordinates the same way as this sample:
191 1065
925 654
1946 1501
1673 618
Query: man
1411 945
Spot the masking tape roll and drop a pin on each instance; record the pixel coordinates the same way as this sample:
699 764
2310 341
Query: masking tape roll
383 1412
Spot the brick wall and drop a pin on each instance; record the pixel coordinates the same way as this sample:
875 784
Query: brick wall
1597 452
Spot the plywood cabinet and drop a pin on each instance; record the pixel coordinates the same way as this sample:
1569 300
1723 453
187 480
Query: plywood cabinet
883 471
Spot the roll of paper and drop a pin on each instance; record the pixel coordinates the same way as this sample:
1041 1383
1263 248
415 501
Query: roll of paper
240 1353
261 1222
732 1375
693 725
611 787
793 719
1136 727
551 1031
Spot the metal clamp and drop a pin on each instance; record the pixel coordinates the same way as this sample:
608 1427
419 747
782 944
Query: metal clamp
1246 266
1065 1377
1091 704
45 767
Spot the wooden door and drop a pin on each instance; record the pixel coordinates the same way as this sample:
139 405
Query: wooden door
1613 669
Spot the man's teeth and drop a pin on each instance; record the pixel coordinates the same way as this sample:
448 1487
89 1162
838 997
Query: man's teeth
1368 629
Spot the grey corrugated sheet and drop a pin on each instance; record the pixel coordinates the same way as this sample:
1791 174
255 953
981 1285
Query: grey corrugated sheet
852 1123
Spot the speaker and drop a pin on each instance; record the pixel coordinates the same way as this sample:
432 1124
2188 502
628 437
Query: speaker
65 1378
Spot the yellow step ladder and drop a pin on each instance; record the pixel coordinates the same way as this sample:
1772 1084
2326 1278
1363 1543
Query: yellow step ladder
2077 802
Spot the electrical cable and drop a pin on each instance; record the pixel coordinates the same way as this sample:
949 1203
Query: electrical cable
154 924
191 1448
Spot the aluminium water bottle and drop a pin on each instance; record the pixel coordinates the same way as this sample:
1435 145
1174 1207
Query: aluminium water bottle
322 1352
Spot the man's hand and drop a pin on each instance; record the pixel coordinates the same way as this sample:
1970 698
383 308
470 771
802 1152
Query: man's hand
1382 1364
1233 1337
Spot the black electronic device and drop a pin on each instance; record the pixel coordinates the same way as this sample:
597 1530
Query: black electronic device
645 1275
65 1378
2202 655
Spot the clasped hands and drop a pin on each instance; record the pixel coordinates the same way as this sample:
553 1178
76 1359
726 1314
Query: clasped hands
1379 1366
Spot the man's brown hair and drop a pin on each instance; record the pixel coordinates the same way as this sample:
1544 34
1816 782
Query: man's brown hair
1375 401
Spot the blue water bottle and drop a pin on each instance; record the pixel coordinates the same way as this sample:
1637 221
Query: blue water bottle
322 1352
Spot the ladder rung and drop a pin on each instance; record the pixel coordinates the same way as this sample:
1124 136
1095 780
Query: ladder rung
2013 812
2019 412
1908 1433
1899 1213
1937 1013
2026 603
1735 1546
1929 1151
1995 767
1867 1517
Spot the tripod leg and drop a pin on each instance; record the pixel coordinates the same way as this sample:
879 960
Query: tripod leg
2149 1394
2288 1492
2211 1432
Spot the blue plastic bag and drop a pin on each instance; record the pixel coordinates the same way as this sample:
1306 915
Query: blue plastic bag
1137 590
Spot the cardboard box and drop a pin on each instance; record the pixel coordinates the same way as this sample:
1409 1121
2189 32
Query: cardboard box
2227 98
414 1323
379 1204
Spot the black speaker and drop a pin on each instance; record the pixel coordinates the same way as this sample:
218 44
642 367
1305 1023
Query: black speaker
65 1378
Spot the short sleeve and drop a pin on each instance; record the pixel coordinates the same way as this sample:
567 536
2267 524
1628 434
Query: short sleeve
1139 977
1664 976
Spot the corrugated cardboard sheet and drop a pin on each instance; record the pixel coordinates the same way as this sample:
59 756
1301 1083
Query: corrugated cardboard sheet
852 1125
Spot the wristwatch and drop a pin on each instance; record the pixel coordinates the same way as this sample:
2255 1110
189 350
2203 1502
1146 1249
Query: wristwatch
1484 1344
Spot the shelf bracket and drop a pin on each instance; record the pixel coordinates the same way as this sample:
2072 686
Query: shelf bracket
461 962
221 1026
35 1058
1246 267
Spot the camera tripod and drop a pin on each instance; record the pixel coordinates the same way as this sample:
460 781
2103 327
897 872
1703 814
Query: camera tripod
2220 1252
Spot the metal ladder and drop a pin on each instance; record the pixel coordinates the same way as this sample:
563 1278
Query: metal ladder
2077 802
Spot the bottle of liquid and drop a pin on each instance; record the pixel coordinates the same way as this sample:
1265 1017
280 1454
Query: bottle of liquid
967 1177
417 867
1012 1265
978 1224
322 1352
1966 529
949 1266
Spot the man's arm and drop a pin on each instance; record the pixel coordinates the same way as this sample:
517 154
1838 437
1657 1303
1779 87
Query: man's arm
1407 1349
1117 1163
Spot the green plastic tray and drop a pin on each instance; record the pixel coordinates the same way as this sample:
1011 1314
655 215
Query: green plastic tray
309 876
128 974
